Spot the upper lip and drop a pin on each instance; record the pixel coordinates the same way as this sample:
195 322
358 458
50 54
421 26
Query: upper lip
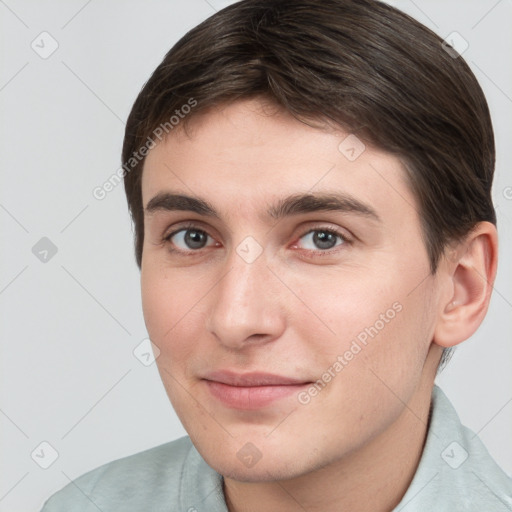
251 379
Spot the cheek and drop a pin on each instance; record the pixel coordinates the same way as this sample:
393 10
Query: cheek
156 304
173 315
347 306
172 324
397 352
374 321
167 303
372 366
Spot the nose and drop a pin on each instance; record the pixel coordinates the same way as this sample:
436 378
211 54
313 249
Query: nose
246 305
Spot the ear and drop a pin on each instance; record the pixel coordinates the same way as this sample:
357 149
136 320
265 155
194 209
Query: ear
470 275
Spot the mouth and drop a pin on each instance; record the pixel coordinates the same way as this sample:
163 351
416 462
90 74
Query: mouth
250 391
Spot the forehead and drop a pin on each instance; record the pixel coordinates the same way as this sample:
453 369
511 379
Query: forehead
245 155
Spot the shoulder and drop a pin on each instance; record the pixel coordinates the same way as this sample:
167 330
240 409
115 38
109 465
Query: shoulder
456 472
478 481
133 481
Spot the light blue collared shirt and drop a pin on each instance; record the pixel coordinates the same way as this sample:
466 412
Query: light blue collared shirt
455 473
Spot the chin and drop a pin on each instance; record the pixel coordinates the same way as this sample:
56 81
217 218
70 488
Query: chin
261 472
268 464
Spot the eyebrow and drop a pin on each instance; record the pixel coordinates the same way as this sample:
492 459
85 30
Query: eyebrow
295 204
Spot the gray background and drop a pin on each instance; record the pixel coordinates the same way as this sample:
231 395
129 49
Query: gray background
70 325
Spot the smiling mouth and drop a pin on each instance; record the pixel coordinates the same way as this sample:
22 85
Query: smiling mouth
251 391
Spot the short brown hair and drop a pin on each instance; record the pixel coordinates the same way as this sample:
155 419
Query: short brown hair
360 64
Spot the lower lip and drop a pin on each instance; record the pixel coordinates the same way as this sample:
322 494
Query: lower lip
251 397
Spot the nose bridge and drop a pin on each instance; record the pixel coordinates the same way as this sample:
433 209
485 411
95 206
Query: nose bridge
245 302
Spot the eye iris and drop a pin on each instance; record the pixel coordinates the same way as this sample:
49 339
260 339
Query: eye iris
195 239
324 239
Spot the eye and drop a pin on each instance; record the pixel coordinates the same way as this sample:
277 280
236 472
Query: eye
322 239
188 239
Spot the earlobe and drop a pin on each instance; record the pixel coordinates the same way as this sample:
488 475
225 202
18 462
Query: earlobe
471 273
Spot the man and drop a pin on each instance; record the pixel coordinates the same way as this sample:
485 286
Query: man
310 184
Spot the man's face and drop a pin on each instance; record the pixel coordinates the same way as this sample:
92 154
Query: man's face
337 305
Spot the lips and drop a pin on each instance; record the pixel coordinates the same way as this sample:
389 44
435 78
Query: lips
252 379
251 390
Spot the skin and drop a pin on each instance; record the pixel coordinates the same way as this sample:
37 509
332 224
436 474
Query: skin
293 311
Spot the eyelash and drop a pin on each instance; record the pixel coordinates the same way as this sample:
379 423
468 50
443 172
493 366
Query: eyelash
319 252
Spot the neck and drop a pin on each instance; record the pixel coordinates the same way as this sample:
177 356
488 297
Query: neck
371 479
